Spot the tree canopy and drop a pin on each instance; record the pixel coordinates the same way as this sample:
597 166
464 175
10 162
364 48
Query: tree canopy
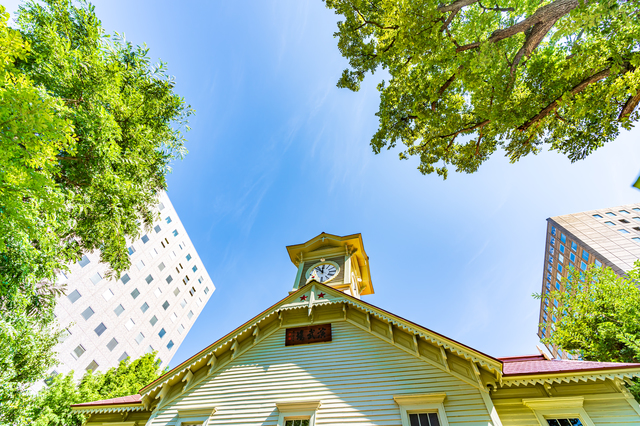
52 404
467 78
88 128
598 316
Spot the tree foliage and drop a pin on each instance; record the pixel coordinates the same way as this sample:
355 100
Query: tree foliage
598 316
52 405
88 128
467 78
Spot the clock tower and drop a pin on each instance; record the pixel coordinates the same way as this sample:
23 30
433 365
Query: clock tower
339 262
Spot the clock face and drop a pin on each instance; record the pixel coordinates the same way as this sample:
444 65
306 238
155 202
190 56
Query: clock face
324 272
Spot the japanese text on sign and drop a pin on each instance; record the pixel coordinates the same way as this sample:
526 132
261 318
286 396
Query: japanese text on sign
310 334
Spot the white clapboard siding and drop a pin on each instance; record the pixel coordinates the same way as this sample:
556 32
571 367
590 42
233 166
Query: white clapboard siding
611 412
355 376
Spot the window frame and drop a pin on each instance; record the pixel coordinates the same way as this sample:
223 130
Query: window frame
194 415
297 410
558 408
421 403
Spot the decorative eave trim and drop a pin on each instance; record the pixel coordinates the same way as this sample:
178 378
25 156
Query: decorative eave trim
299 405
569 377
419 399
101 409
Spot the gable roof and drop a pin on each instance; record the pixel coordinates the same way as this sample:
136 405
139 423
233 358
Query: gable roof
508 370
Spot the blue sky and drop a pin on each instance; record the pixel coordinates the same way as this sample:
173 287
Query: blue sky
278 154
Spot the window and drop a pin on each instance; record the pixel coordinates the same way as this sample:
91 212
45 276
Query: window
112 344
93 365
168 219
202 279
73 296
206 290
162 333
302 413
153 320
190 314
129 324
145 239
174 317
157 228
624 231
165 305
96 278
144 307
552 241
140 265
195 268
561 248
153 253
636 209
572 257
175 232
185 280
297 422
193 291
559 411
585 255
149 349
131 250
610 223
583 266
123 356
597 263
563 238
135 293
139 338
597 216
199 301
107 295
624 221
84 261
624 211
100 329
118 310
560 258
636 239
557 285
161 206
555 303
574 246
553 230
86 314
64 334
610 214
161 266
188 257
422 409
549 268
181 329
559 268
550 260
149 279
176 291
78 351
158 292
169 279
125 278
558 276
183 303
170 344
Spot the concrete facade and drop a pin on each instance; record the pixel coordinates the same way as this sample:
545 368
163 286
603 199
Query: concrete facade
151 307
604 237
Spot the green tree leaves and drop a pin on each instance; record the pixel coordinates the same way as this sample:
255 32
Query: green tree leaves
468 78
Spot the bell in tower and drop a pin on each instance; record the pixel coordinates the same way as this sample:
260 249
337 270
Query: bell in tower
339 262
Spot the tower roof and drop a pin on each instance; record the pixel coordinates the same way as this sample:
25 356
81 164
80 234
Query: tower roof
327 244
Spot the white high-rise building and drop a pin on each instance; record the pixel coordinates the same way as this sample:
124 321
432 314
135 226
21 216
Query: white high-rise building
150 308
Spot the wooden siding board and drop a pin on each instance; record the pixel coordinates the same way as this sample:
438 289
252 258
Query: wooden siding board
355 376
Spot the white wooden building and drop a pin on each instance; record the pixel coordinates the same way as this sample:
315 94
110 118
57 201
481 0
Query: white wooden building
322 356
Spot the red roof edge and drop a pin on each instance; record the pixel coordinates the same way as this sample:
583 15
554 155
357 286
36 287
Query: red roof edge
129 399
520 358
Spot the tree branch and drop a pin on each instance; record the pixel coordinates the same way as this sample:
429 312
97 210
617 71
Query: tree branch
497 9
629 106
534 37
466 129
553 105
446 23
456 5
547 13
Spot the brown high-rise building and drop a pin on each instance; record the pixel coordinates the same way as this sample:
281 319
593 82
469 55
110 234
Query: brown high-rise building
609 237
